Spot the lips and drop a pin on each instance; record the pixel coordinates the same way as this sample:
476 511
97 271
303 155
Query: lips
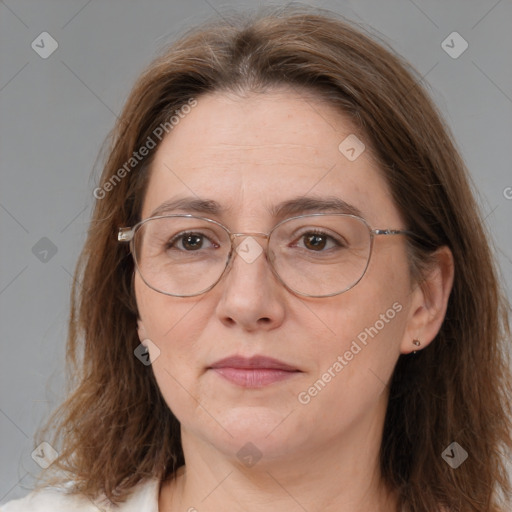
253 372
252 363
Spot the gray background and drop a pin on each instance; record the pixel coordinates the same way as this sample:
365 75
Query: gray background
55 113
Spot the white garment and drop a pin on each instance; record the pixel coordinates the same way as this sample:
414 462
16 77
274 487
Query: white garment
144 499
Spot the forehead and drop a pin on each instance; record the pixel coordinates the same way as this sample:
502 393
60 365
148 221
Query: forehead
250 153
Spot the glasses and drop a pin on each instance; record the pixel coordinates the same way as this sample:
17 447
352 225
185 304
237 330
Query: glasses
316 255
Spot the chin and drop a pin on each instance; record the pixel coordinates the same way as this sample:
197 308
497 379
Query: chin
254 431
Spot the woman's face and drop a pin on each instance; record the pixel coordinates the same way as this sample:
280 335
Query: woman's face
250 154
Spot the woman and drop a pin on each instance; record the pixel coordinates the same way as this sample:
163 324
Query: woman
287 299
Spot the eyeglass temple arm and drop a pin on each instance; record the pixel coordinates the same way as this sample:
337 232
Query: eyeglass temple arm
391 232
400 232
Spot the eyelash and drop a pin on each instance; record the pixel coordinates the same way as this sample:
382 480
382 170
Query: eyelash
320 233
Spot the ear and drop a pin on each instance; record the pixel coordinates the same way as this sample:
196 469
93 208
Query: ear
429 302
141 330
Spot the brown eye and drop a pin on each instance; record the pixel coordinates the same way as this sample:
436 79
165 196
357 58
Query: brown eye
319 241
315 241
192 242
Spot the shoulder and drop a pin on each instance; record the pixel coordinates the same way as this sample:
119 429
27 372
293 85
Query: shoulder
51 499
144 497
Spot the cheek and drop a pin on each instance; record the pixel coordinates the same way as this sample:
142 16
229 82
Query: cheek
161 315
364 326
364 337
166 321
355 365
173 325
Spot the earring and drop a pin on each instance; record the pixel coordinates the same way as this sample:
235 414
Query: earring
417 343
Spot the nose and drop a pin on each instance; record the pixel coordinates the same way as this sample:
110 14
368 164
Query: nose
250 294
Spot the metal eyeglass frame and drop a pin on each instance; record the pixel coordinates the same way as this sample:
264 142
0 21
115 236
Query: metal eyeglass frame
127 235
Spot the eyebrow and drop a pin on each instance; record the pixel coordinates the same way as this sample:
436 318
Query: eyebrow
295 206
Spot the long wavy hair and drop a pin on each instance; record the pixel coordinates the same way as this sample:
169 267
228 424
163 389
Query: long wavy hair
115 429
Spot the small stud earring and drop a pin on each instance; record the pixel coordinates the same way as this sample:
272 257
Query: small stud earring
417 343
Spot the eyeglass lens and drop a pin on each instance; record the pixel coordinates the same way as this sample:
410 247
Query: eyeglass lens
312 255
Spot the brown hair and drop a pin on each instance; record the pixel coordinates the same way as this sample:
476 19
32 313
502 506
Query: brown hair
115 428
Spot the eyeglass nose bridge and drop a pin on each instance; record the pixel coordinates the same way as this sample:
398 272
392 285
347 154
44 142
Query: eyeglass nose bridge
259 234
265 251
232 236
243 236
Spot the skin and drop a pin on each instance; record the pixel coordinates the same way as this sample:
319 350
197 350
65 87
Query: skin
248 153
